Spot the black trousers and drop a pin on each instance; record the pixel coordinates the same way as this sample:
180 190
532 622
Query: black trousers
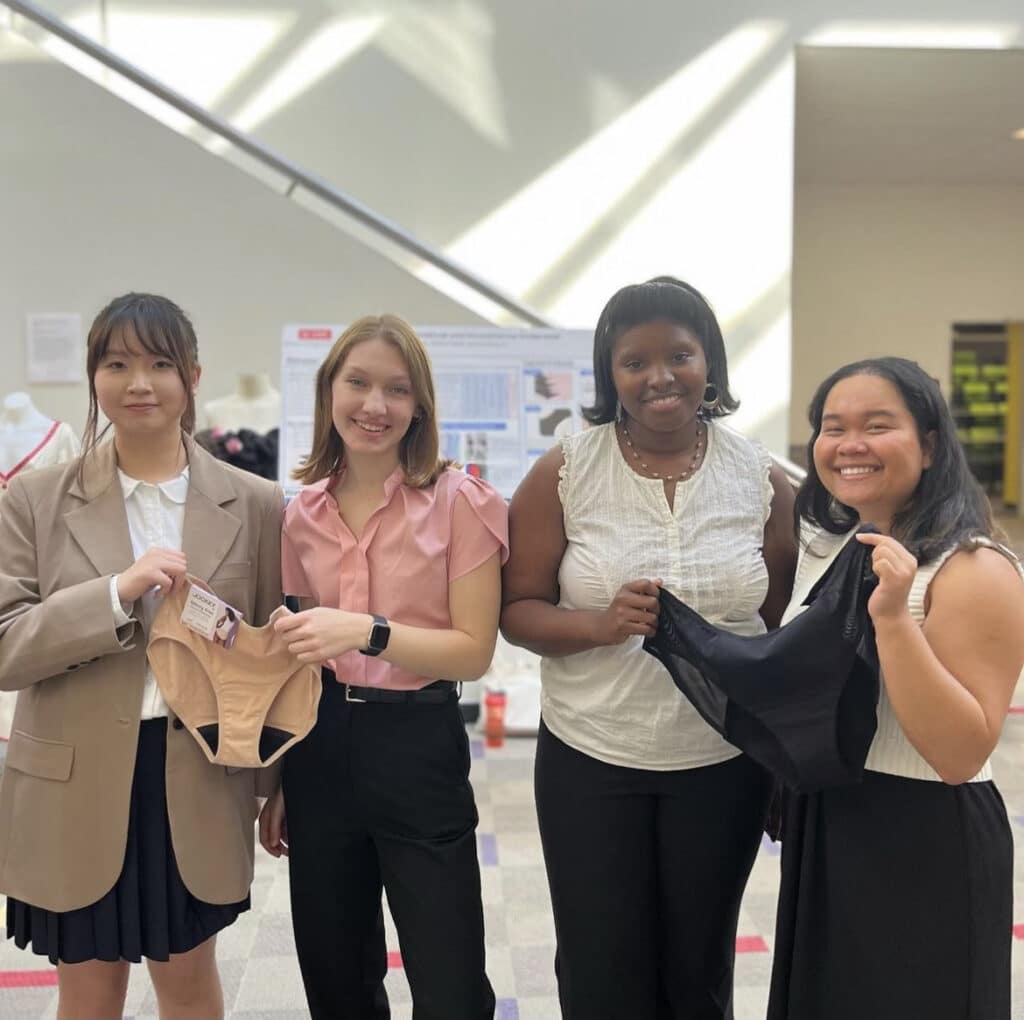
646 871
376 796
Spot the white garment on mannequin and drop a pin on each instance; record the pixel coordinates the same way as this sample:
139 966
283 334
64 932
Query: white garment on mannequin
28 440
255 405
22 428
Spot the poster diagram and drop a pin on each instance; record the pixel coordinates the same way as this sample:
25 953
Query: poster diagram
504 396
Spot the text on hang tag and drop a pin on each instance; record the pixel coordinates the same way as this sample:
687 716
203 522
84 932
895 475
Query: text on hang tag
210 617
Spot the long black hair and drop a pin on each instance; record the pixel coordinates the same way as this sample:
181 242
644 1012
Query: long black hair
947 509
666 298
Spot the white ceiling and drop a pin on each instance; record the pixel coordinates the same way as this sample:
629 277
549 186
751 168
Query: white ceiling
885 116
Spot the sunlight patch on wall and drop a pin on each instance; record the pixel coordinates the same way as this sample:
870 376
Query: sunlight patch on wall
760 378
14 48
522 239
723 221
607 99
954 35
324 51
412 264
199 54
450 53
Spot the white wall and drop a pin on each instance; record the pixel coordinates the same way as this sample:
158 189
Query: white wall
888 270
99 199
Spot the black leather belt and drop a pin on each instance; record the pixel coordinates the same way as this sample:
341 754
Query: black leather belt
433 694
436 693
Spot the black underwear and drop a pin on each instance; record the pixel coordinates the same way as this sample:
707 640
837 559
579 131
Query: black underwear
800 700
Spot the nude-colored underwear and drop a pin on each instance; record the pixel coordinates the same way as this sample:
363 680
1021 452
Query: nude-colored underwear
245 705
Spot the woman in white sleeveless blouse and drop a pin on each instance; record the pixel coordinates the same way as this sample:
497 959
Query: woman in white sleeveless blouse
896 897
650 821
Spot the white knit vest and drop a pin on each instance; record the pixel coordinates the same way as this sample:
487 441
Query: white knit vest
891 751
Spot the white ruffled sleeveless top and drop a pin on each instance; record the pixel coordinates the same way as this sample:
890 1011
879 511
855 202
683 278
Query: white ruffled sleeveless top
619 704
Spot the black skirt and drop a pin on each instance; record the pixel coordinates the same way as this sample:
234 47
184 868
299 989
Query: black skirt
149 912
896 902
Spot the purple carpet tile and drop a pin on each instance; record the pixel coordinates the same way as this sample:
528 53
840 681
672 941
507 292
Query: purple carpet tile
507 1009
488 849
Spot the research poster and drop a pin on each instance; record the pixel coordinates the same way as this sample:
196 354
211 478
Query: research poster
504 395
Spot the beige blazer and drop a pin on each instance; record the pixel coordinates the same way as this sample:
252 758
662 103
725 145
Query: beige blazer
65 788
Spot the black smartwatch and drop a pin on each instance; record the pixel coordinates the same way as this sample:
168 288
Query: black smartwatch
380 634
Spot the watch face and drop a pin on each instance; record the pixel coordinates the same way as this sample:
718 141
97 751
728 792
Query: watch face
379 636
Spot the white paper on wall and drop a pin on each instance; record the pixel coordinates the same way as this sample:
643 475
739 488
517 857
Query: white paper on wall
53 348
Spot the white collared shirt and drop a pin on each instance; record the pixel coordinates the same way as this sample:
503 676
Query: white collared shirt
156 520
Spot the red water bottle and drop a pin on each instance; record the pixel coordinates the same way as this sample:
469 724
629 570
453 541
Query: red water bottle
494 718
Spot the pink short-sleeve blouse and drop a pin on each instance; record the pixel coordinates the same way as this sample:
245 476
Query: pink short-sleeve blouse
413 545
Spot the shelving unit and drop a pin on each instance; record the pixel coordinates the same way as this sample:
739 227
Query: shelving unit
980 399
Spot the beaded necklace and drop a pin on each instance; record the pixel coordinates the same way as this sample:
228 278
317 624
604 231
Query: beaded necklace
683 475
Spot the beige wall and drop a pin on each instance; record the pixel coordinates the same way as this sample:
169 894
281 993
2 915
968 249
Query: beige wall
887 270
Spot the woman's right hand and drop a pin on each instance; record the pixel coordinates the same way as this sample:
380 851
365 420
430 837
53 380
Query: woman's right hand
633 611
273 827
156 568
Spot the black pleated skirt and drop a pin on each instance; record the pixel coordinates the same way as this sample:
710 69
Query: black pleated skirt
896 904
149 912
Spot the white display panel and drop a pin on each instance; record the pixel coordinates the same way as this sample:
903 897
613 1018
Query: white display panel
503 395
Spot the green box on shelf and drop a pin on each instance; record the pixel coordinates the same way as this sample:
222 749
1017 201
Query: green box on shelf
976 390
964 372
984 434
986 409
994 371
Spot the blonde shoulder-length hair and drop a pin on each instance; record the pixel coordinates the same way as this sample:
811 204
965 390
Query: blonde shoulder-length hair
418 451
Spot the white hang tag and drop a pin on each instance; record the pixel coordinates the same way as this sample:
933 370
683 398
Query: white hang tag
210 617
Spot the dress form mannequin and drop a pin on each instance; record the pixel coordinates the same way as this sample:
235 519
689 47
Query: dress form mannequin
255 405
22 428
29 440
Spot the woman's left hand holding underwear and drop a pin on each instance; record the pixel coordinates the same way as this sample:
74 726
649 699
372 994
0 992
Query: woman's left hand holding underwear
316 635
895 568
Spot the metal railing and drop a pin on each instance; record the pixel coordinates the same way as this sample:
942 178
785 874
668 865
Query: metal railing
292 172
794 472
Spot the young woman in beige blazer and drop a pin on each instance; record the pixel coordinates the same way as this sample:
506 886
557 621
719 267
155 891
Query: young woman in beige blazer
118 839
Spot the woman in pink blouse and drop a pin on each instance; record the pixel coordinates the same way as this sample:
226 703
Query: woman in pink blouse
395 558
